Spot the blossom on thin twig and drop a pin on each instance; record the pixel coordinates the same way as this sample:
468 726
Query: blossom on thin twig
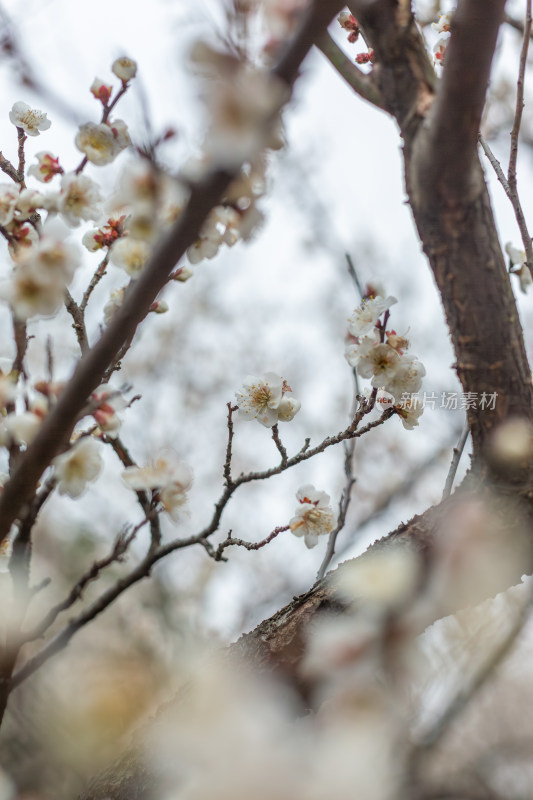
314 516
168 475
30 120
268 399
47 166
124 68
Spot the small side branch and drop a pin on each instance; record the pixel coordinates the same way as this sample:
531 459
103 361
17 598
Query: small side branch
78 321
457 453
116 555
360 82
229 541
281 449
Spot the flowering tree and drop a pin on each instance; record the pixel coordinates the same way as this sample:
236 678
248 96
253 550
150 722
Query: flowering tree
346 647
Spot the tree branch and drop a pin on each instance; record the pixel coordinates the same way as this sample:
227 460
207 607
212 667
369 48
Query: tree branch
454 119
58 426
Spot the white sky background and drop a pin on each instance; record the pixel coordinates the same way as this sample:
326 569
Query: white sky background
279 304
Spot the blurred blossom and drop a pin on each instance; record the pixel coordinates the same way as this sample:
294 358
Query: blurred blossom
383 578
77 467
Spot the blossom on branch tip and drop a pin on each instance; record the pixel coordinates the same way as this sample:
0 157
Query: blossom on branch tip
268 399
124 68
169 476
101 91
47 166
518 266
314 516
77 467
410 410
30 120
365 316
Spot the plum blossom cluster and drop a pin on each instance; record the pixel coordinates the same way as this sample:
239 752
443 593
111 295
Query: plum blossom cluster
518 266
314 516
443 27
169 477
380 355
102 142
268 399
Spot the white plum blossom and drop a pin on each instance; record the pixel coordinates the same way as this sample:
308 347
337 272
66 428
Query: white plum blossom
202 248
47 166
101 143
406 377
130 255
268 399
243 103
355 352
30 120
77 467
518 266
379 363
260 397
367 314
409 411
444 23
6 549
116 298
80 199
42 274
124 68
9 195
30 200
288 408
314 515
23 428
168 475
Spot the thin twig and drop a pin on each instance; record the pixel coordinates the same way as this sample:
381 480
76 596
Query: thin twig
512 195
7 167
353 275
343 509
281 449
78 321
227 463
116 555
229 541
361 82
457 453
95 280
515 132
21 157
